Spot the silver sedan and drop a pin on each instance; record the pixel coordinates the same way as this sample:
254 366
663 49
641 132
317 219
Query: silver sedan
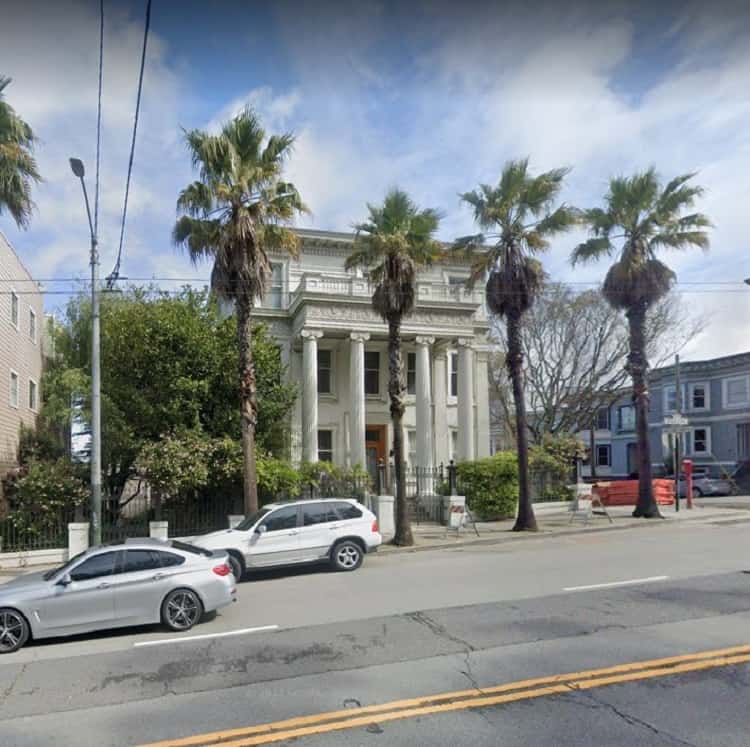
111 586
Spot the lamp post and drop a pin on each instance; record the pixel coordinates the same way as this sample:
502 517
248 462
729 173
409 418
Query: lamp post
96 415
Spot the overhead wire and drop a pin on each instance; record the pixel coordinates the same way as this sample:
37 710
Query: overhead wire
99 117
114 275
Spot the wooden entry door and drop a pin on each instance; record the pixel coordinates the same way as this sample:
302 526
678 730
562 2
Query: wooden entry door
375 449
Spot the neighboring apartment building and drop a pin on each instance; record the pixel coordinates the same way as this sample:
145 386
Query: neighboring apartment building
715 397
21 332
335 346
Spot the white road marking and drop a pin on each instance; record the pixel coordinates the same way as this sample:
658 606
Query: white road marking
205 636
611 584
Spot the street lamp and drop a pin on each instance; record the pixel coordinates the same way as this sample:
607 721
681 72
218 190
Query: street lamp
76 166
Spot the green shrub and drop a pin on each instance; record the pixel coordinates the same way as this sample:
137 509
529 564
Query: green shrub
40 494
490 485
551 467
276 479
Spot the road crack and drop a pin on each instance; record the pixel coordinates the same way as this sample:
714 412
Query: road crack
438 629
8 690
628 718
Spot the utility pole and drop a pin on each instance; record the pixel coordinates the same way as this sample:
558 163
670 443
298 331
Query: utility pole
677 435
96 415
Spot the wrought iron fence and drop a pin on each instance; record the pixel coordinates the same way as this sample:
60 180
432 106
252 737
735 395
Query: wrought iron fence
330 486
49 532
190 518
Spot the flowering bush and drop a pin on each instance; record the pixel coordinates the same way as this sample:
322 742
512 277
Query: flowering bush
43 495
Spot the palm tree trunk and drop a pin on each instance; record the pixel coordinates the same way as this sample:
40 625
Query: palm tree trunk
248 406
525 521
637 368
403 535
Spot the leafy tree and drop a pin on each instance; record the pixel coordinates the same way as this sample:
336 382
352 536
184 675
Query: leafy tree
234 214
167 365
18 167
576 346
640 218
394 242
517 218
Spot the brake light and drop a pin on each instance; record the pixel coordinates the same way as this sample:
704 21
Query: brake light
222 570
375 527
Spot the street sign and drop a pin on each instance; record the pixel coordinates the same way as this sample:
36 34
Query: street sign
675 420
676 423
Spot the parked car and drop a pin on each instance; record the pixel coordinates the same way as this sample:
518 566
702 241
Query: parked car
704 484
334 530
111 586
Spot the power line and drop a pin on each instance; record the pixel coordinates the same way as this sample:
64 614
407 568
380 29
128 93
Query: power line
99 116
116 269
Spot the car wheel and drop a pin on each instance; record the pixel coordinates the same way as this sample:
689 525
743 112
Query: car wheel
347 556
697 493
238 568
14 630
181 609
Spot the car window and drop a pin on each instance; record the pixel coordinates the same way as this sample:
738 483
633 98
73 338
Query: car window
140 560
318 513
169 559
251 520
348 511
281 518
95 567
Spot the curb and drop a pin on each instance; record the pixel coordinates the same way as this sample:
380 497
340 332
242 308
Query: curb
507 535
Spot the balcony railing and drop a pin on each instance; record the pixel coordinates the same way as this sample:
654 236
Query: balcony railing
352 287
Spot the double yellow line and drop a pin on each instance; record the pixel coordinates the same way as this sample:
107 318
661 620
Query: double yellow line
463 699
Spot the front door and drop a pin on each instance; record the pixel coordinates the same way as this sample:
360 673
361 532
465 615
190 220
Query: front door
279 543
87 602
375 450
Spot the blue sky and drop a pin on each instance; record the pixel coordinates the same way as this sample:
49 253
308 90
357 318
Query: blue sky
432 96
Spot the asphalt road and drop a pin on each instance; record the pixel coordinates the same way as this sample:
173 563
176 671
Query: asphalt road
408 626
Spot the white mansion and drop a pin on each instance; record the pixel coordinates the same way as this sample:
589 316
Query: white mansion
335 347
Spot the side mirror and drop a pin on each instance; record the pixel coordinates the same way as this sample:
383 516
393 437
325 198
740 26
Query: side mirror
64 581
262 529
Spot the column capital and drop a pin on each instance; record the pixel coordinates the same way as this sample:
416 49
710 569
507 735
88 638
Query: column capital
359 336
424 340
465 342
311 334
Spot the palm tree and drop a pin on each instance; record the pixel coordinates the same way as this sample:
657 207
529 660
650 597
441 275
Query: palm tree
233 214
642 217
516 218
17 163
394 243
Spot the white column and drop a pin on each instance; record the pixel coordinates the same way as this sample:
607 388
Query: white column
465 400
357 397
483 404
310 394
440 394
424 403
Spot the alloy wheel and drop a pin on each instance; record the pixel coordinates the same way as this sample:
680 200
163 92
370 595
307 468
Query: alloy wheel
12 631
347 556
182 610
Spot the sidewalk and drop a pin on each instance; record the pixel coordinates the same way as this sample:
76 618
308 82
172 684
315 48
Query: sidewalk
553 519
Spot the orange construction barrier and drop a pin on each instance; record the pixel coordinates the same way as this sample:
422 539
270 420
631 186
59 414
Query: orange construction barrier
625 492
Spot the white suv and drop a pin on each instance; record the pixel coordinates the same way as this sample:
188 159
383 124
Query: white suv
336 530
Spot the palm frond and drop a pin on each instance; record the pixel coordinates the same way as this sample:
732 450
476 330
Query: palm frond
200 238
628 285
591 249
681 240
196 199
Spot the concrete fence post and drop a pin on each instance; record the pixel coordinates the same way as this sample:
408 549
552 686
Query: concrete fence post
78 537
158 530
